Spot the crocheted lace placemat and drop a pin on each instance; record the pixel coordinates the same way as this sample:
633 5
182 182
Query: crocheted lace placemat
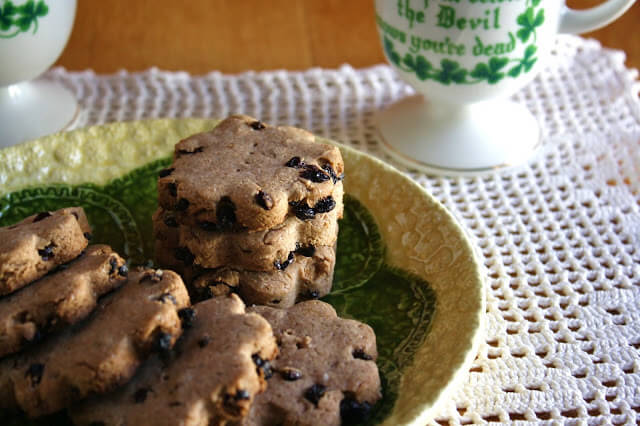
559 238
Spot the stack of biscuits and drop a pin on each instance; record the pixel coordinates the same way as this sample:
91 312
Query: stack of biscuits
252 209
246 208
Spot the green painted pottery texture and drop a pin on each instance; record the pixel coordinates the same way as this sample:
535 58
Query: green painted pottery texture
404 266
422 237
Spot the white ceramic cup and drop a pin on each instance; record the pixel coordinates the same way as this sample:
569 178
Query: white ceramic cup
465 57
33 34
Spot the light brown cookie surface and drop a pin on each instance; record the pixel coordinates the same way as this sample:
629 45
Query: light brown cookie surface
102 353
165 227
251 250
217 371
249 175
38 244
167 257
262 250
59 299
305 277
325 371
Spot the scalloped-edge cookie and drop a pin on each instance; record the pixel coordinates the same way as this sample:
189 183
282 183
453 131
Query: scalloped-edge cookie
102 353
301 277
220 366
38 244
253 250
325 373
60 298
246 174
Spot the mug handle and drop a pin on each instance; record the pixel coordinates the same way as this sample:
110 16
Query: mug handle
582 21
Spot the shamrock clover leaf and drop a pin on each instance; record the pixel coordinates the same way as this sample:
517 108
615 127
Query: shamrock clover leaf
490 72
393 56
21 17
409 62
6 14
529 21
30 12
525 63
450 72
419 65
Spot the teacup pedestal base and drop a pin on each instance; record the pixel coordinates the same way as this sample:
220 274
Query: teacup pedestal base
451 140
32 109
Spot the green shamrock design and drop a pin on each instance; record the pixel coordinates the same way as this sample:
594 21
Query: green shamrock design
525 63
450 72
23 17
30 12
6 15
389 49
420 65
493 71
490 72
529 21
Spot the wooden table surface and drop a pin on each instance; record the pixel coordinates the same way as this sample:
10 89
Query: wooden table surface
234 36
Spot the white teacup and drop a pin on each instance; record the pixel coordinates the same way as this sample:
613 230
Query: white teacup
466 57
33 34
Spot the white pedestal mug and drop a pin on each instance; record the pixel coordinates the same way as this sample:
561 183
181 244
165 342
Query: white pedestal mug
33 34
465 57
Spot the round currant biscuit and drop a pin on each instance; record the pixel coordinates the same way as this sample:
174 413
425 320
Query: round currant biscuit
219 367
38 244
102 353
301 277
60 298
246 174
325 373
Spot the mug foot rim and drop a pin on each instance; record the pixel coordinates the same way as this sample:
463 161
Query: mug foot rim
458 140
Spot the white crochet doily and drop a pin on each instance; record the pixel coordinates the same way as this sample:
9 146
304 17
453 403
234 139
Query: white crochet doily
559 238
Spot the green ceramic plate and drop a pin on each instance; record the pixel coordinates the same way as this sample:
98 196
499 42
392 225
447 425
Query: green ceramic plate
404 266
